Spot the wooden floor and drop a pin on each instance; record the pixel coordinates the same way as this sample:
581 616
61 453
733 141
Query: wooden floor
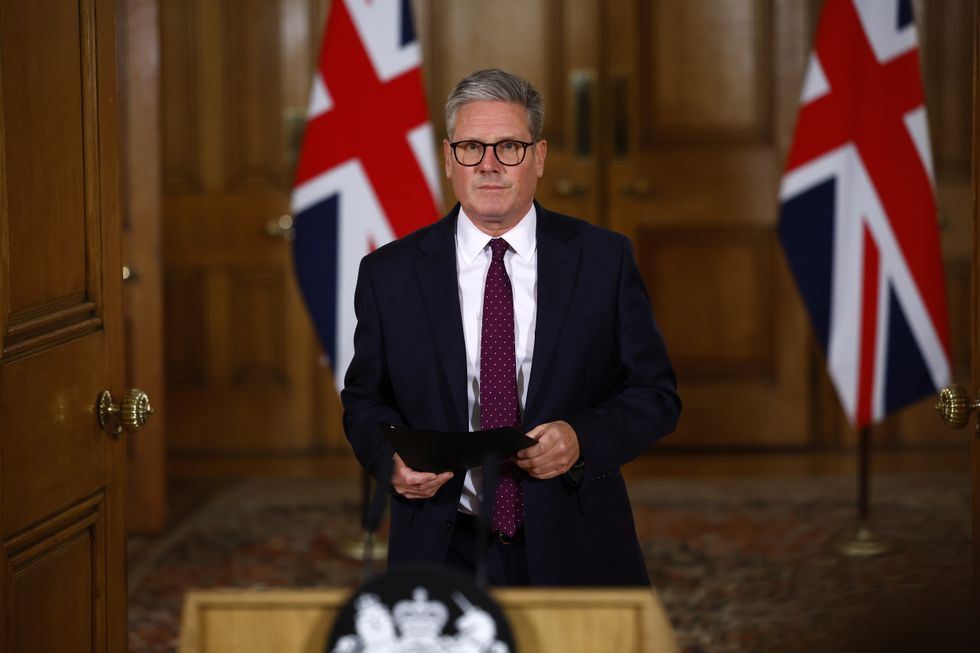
659 465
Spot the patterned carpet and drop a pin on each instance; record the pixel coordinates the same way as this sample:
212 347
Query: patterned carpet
740 565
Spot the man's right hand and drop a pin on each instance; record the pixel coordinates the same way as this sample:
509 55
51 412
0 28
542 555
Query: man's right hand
416 485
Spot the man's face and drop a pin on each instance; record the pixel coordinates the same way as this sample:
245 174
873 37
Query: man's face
495 196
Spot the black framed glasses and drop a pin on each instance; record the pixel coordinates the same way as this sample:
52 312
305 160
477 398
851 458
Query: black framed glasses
509 153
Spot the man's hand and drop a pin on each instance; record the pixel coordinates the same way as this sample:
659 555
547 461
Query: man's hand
416 485
554 454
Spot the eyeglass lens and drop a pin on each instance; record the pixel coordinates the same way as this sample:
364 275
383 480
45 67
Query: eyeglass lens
509 153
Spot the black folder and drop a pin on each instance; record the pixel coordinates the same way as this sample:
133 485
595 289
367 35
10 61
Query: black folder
440 451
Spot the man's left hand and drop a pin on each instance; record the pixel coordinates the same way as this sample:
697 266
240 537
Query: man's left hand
554 454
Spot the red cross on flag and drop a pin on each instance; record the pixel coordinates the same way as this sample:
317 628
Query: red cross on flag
858 212
367 171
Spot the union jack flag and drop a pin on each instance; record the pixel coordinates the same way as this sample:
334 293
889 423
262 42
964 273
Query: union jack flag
367 171
858 212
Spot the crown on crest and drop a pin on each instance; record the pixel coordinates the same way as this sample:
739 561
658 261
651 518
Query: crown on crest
420 618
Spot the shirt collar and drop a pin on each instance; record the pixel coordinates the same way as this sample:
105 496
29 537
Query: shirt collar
522 238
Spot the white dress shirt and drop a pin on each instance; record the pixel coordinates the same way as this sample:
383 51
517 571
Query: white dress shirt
472 264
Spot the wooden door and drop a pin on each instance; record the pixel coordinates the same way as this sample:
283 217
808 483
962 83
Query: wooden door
701 102
62 478
146 506
242 364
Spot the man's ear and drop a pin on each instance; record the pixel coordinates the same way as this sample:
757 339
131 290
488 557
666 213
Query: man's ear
447 154
540 152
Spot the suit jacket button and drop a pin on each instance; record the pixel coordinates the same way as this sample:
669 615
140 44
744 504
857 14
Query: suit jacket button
448 525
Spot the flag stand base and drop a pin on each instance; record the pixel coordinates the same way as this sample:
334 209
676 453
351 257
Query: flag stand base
355 549
863 543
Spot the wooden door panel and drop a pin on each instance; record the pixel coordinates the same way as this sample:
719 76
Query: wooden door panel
708 66
61 477
57 573
720 323
45 149
60 452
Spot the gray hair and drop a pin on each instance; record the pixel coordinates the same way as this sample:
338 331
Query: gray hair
493 84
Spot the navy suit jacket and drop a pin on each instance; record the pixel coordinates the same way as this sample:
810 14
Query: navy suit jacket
599 363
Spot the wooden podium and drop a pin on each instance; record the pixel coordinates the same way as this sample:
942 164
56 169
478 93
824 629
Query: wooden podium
543 620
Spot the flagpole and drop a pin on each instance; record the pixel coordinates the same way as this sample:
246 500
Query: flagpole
862 542
370 546
864 475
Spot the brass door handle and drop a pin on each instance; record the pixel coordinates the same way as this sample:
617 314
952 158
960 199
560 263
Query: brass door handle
954 406
130 275
132 412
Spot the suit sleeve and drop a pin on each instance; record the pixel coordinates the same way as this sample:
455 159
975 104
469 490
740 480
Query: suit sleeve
644 405
367 395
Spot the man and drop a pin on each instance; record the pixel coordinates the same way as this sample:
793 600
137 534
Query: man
506 314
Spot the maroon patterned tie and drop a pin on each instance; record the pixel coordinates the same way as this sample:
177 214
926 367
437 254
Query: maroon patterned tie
498 383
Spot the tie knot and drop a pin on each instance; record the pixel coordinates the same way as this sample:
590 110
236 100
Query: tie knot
498 246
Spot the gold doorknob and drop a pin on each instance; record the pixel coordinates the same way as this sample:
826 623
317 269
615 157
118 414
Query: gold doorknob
955 406
132 412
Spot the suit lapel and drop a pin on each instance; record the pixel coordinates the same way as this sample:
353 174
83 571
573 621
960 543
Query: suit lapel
558 264
436 270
